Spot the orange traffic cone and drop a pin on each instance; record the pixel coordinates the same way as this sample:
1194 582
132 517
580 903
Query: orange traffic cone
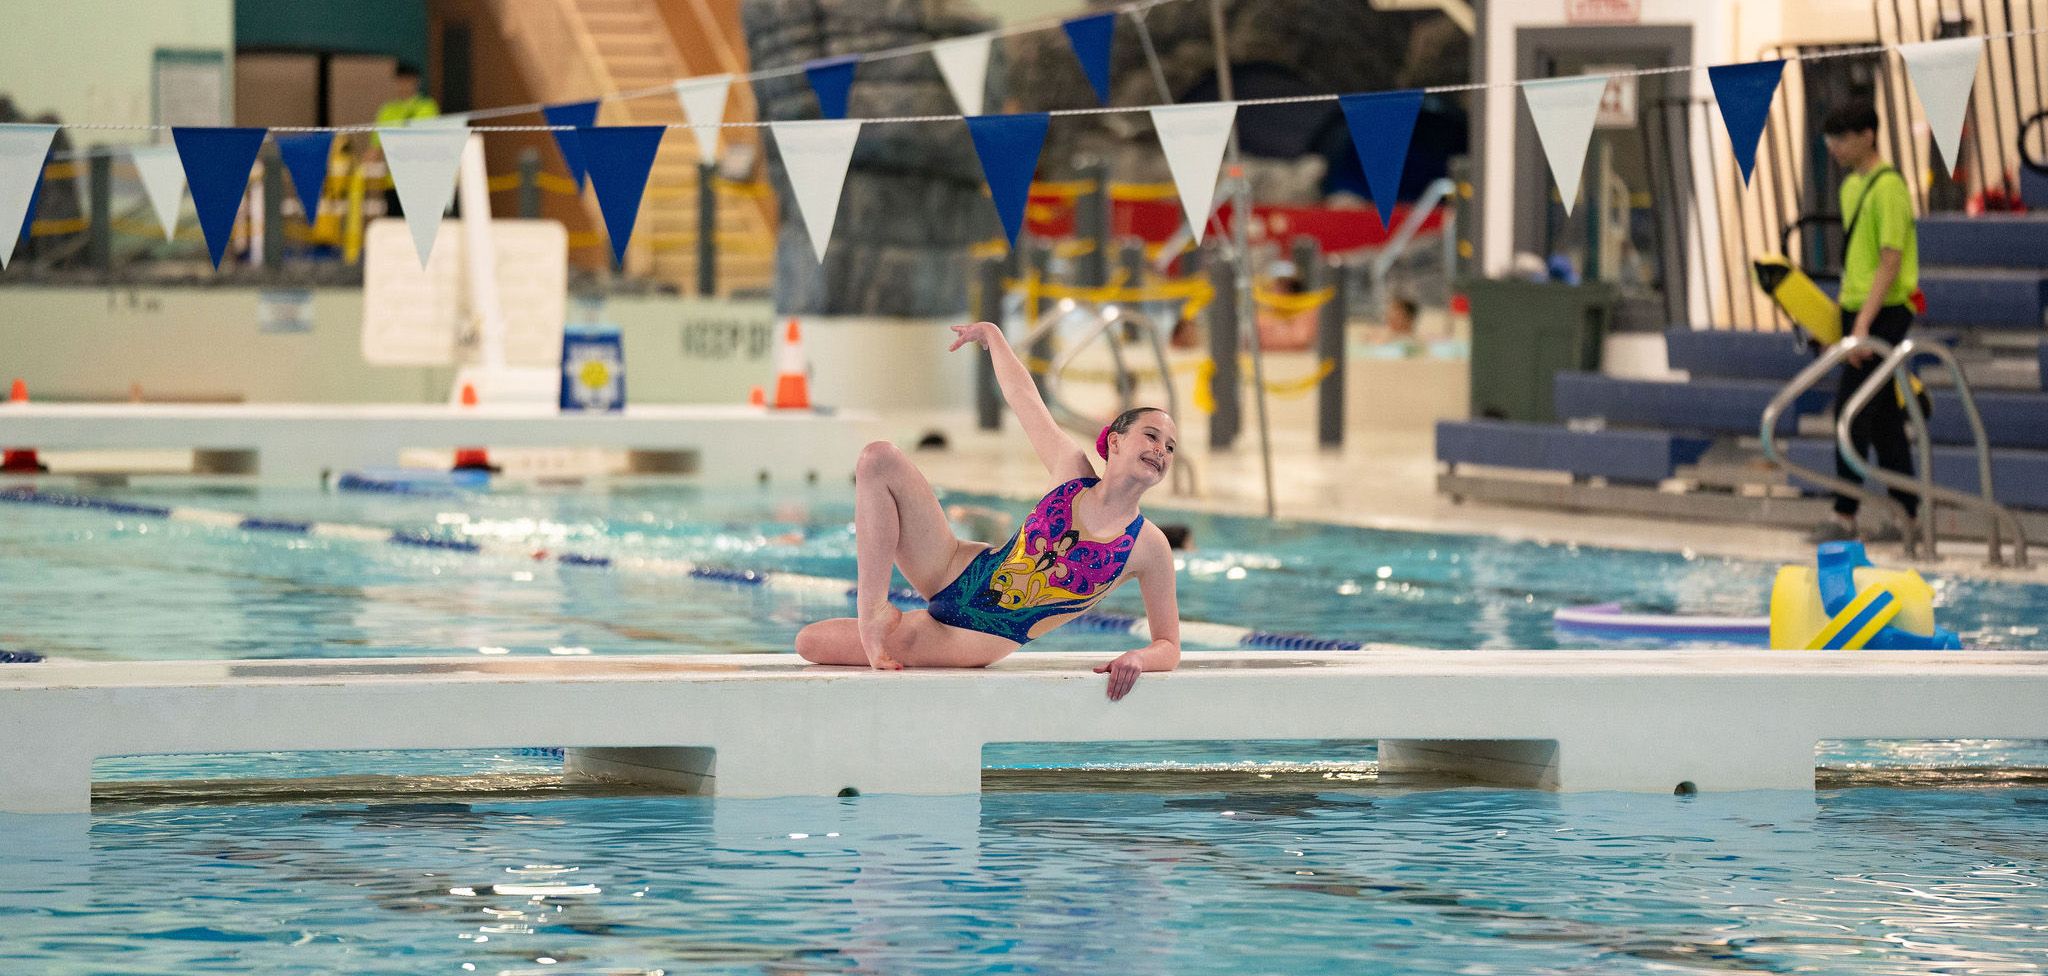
472 458
757 397
20 460
792 372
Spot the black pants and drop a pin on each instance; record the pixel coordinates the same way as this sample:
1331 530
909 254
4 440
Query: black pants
1882 424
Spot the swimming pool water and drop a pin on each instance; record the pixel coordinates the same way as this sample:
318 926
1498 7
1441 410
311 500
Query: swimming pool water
93 585
1872 881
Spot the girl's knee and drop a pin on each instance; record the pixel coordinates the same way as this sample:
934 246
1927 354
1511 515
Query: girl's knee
876 456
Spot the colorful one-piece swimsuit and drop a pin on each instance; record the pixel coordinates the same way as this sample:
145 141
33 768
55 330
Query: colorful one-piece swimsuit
1045 570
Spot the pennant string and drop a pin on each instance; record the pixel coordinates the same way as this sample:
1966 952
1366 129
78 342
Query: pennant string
669 90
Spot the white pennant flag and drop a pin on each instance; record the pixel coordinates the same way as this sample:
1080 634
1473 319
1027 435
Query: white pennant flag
23 148
423 161
1565 110
163 182
1194 137
964 62
704 105
816 153
1942 73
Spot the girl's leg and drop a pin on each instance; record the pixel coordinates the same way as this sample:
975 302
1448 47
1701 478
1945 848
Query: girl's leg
897 522
916 641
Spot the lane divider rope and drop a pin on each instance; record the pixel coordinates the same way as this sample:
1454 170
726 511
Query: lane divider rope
1204 633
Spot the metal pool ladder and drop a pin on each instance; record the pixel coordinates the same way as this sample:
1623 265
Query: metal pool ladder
1896 371
1893 370
1106 318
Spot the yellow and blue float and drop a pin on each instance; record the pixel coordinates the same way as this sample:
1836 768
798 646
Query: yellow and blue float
1845 603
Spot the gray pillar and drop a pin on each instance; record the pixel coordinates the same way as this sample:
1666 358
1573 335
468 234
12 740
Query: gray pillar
99 241
273 206
1091 223
529 184
1330 344
988 396
1223 343
707 230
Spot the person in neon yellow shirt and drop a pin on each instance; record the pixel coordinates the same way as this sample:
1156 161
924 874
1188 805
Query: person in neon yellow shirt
406 106
1880 273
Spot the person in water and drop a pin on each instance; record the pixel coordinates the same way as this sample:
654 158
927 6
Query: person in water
1082 540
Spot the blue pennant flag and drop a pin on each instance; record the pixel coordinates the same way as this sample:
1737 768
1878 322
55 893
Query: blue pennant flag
619 157
1008 146
305 157
217 163
1744 92
1382 124
1090 37
832 78
582 115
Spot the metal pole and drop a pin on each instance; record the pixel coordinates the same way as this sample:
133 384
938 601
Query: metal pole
988 400
1241 208
707 230
1091 224
99 242
529 183
1040 349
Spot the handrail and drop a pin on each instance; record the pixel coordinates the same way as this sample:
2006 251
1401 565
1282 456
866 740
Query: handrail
1397 245
1807 377
1893 369
1107 317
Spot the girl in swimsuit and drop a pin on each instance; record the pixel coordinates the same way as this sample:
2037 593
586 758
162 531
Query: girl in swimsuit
1082 540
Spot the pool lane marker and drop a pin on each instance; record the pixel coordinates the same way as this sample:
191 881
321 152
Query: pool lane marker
1192 631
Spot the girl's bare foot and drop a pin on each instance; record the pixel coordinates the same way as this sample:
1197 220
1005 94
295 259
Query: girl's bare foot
876 624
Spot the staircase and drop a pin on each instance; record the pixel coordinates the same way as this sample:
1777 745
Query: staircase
573 50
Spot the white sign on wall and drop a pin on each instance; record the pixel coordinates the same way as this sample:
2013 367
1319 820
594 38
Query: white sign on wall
1618 102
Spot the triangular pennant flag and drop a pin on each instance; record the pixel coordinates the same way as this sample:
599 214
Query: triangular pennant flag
582 115
23 151
832 78
1194 137
217 163
1744 93
704 108
163 182
35 198
423 161
816 154
1382 124
1942 73
1008 146
1565 110
1090 37
619 157
305 157
964 63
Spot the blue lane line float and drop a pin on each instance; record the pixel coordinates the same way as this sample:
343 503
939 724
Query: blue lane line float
414 481
1198 632
19 657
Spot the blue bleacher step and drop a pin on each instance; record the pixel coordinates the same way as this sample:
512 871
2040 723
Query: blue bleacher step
1737 355
1726 406
2000 298
2019 477
2000 240
1643 456
2012 418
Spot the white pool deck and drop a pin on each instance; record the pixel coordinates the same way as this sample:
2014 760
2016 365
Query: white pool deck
293 444
771 725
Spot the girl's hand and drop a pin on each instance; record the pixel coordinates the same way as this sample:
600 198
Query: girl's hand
980 333
1123 673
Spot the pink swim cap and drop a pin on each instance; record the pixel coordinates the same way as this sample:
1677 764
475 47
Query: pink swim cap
1102 443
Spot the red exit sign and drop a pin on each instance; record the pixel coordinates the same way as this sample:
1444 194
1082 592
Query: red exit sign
1604 11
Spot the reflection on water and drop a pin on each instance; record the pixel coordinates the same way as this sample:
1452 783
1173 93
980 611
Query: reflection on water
1867 881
